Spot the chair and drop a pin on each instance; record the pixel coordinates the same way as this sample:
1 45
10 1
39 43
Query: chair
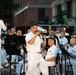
56 67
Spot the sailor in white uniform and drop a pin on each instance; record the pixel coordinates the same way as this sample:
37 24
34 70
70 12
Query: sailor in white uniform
36 63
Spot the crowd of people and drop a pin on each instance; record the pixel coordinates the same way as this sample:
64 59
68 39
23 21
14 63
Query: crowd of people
39 50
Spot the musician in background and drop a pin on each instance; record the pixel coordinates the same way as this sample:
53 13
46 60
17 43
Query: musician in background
2 26
19 32
72 51
72 60
63 40
22 64
52 34
12 31
52 52
15 57
63 29
27 32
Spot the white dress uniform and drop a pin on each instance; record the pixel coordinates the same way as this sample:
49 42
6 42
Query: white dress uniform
72 50
52 52
35 59
2 26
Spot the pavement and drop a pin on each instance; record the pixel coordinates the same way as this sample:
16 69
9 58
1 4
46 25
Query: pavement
6 71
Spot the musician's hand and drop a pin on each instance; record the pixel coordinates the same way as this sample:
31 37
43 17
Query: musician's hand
26 61
37 33
73 56
42 51
44 37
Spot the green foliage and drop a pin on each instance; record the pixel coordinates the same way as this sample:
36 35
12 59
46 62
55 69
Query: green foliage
40 22
74 19
45 20
6 10
59 18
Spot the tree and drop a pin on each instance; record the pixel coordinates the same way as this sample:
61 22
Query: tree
44 21
74 19
6 10
59 18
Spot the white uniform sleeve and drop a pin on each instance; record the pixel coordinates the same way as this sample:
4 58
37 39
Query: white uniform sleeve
72 50
28 37
2 25
51 53
65 41
41 39
54 52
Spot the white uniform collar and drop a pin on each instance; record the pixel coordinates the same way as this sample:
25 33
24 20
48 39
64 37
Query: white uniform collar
52 46
32 33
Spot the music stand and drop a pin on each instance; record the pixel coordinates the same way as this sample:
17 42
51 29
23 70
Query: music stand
65 53
10 47
68 37
20 41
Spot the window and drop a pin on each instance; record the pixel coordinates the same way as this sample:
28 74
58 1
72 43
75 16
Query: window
58 8
41 14
41 0
69 9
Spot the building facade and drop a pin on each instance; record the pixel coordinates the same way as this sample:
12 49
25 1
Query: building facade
30 11
66 5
